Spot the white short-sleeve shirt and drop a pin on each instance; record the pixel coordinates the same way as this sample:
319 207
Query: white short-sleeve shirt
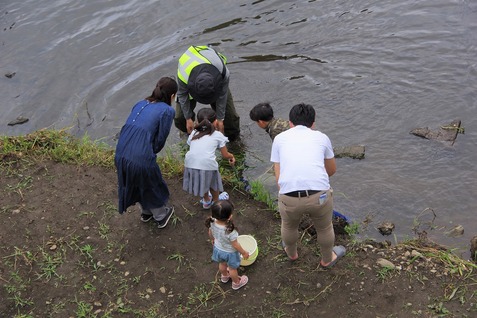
301 152
201 154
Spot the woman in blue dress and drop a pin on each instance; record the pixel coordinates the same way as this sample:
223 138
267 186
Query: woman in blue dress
142 137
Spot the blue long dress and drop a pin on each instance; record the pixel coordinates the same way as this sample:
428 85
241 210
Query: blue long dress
142 137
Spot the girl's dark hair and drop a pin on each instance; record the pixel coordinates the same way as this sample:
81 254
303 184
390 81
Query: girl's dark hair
205 118
221 211
165 88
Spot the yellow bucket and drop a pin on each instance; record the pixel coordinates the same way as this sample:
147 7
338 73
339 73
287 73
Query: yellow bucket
249 244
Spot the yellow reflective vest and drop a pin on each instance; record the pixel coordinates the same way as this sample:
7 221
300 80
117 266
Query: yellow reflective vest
196 55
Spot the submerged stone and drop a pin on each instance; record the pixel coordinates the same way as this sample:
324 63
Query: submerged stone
456 231
355 152
386 228
446 132
19 120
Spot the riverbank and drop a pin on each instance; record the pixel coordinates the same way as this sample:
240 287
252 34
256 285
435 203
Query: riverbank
66 252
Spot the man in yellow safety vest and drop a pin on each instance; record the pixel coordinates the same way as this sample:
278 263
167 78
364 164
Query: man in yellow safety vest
203 77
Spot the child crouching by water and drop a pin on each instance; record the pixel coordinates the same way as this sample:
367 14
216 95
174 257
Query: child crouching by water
226 249
201 169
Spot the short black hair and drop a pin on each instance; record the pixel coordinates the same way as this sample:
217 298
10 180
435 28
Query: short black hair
262 111
302 114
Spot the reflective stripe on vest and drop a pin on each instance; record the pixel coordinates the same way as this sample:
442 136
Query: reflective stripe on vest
196 55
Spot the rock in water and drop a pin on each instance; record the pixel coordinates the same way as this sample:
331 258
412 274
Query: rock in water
19 120
10 74
355 152
386 228
456 231
447 132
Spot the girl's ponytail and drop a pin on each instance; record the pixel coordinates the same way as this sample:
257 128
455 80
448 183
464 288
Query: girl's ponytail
209 221
205 127
230 226
205 118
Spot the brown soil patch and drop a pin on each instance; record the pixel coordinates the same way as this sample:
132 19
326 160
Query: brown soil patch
66 252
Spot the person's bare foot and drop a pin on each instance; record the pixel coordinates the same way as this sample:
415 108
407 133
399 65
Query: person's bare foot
294 258
338 252
333 258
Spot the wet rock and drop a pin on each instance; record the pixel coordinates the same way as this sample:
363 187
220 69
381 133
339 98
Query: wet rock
354 152
386 228
447 132
458 230
19 120
473 249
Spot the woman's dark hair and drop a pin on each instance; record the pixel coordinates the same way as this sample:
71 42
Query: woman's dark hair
302 114
165 88
205 117
262 111
221 211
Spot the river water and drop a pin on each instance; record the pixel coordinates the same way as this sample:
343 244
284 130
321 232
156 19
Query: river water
374 70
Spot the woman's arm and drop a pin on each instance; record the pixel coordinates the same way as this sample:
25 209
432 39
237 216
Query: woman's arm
165 124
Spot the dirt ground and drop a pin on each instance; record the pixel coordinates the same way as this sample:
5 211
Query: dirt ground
66 252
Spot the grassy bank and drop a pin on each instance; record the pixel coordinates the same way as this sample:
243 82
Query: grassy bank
66 252
62 147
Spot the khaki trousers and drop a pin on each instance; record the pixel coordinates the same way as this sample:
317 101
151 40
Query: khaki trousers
292 210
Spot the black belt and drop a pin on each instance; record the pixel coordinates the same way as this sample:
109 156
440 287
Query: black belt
302 193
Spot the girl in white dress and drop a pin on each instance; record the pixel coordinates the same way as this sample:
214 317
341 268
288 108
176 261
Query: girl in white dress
201 169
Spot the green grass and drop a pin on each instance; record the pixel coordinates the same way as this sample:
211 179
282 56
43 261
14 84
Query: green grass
180 259
83 309
261 194
16 289
48 265
172 165
385 273
60 146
